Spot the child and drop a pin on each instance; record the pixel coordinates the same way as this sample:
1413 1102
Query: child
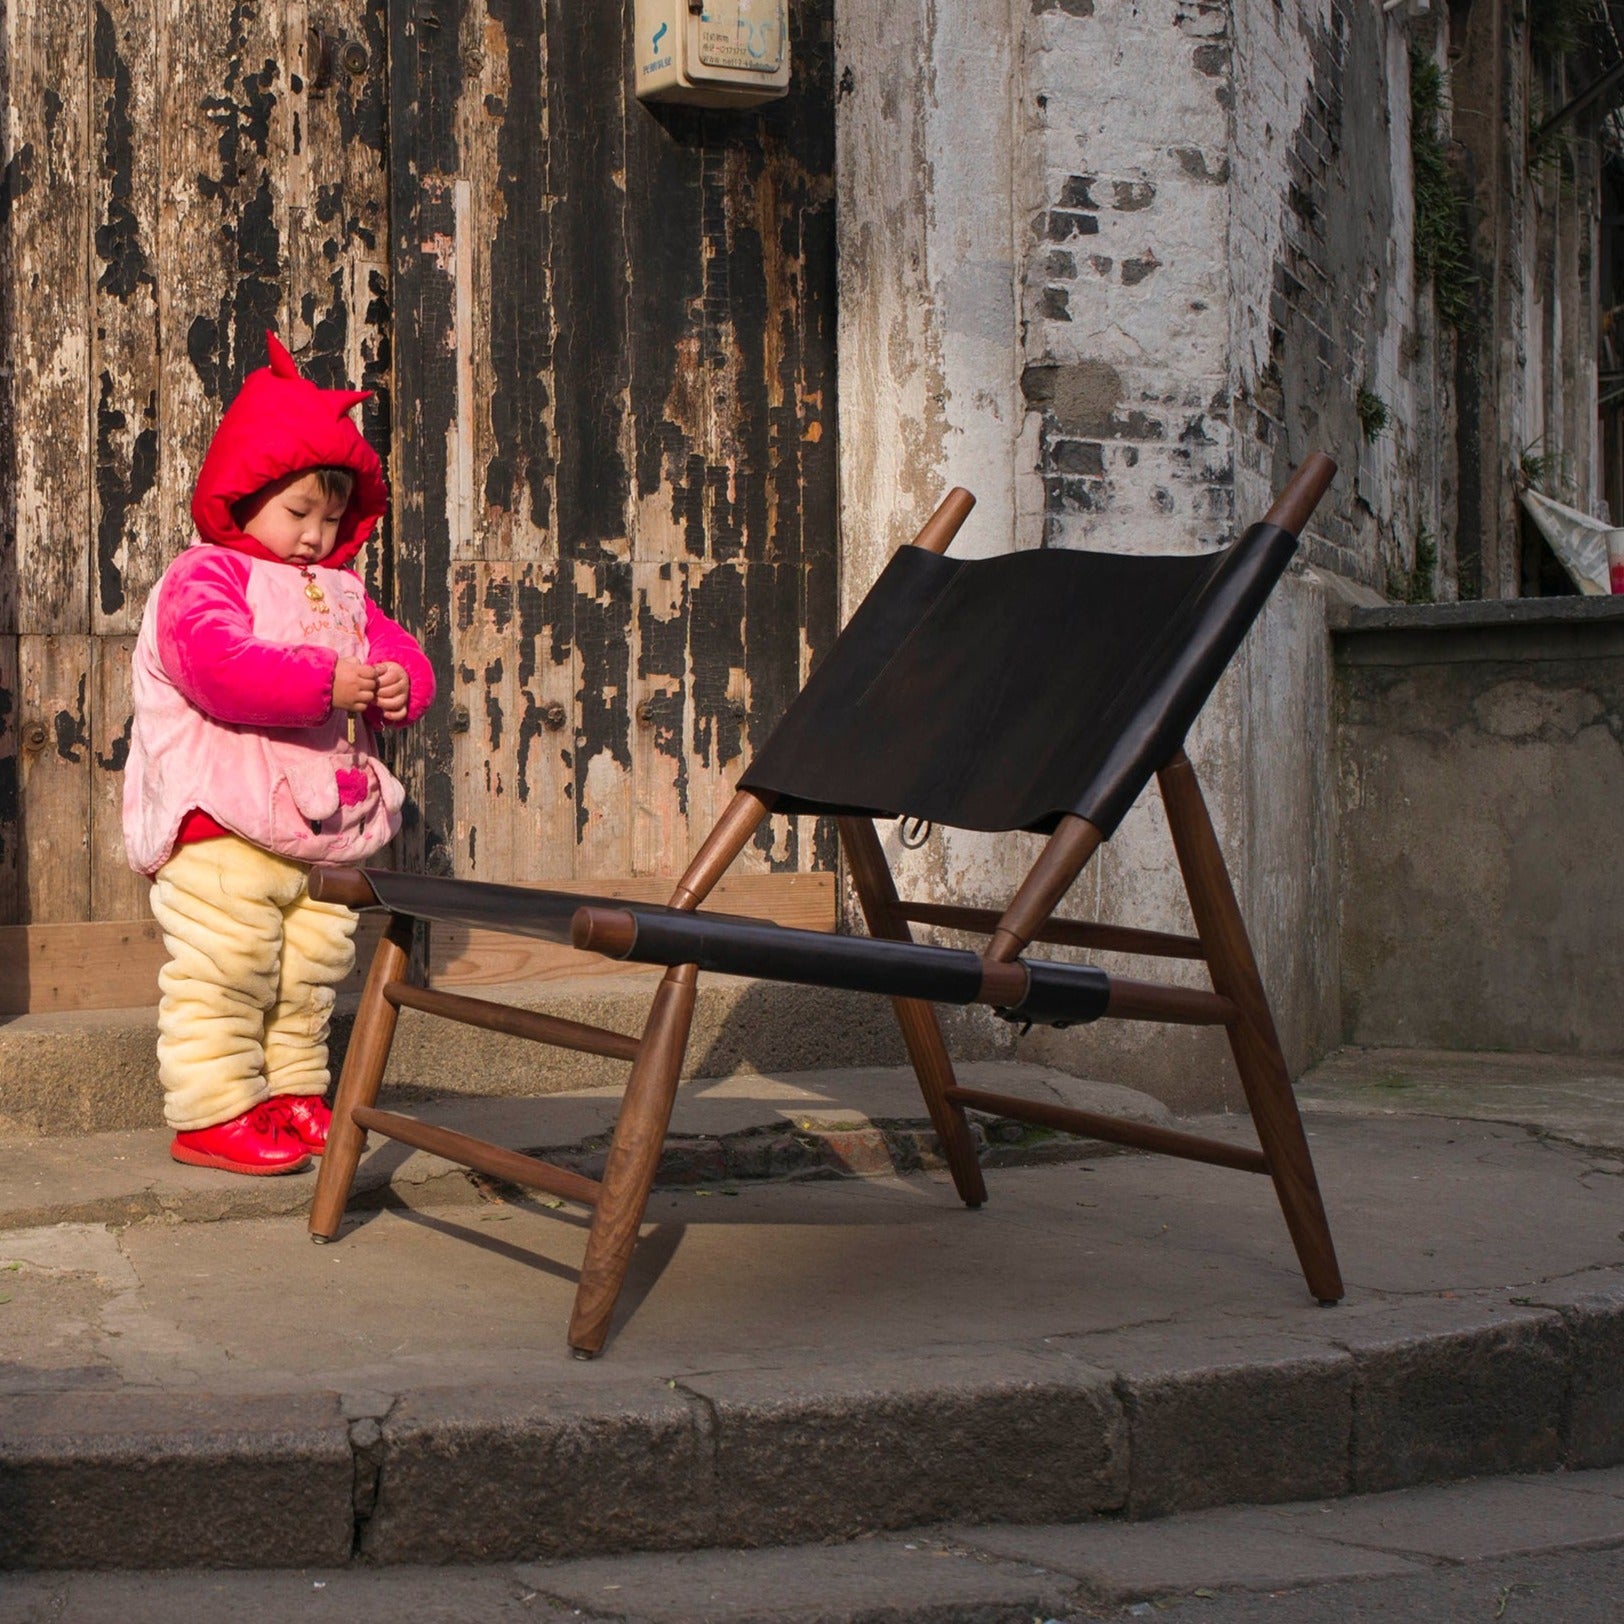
258 652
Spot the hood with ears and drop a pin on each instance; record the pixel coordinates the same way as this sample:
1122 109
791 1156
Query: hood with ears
278 424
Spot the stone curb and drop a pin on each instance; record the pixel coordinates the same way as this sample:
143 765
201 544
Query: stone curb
1127 1425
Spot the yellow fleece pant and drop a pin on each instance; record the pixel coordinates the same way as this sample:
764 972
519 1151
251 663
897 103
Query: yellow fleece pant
248 990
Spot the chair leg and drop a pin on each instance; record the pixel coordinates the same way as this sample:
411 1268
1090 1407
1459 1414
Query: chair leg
651 1090
1252 1036
921 1032
364 1064
634 1157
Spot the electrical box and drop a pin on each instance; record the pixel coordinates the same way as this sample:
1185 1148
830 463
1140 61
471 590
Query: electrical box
712 53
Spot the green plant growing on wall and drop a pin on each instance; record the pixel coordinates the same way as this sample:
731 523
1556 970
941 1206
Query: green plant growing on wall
1556 27
1373 413
1556 155
1441 249
1542 471
1418 584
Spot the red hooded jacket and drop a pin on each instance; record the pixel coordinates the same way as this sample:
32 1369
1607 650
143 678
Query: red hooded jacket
206 651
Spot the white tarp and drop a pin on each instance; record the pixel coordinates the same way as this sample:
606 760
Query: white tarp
1580 542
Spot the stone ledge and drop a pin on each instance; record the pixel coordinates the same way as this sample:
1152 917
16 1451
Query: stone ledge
163 1480
857 1122
753 1457
1486 630
95 1072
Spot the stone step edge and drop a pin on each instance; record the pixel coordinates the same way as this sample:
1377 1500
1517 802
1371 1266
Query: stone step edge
1024 1434
95 1072
779 1153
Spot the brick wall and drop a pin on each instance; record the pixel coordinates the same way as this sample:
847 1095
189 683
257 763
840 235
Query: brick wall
1125 295
1118 265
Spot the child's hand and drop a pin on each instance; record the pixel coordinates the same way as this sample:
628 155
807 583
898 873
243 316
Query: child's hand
355 686
394 690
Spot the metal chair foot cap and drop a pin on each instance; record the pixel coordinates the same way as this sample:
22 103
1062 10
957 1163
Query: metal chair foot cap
1329 1302
583 1353
321 1240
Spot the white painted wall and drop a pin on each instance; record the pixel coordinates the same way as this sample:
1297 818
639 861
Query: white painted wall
1073 234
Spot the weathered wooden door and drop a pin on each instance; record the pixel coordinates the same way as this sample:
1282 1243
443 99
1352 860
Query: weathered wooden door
614 432
602 342
179 176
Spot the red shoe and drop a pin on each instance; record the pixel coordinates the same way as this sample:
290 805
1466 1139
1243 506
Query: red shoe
257 1142
306 1117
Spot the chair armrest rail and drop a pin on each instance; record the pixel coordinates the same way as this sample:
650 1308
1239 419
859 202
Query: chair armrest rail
1050 994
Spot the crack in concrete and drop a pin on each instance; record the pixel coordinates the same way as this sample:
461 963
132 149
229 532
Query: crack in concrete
368 1453
707 1426
1585 1268
365 1410
176 1352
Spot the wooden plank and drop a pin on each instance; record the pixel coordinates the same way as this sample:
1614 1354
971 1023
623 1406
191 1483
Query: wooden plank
357 122
590 275
773 618
225 138
312 296
11 820
55 681
48 350
718 699
505 166
124 360
114 964
54 969
336 188
116 890
661 840
425 80
484 689
523 300
602 747
543 731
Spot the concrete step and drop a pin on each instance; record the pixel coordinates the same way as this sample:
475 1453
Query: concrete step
856 1121
1549 1544
94 1072
1117 1338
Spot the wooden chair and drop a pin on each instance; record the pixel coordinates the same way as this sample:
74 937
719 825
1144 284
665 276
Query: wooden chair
1038 691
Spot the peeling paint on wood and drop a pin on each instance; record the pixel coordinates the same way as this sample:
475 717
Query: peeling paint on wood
425 77
513 170
116 890
602 343
124 361
11 824
47 127
55 750
631 313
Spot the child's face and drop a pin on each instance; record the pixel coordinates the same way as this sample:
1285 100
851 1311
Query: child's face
295 521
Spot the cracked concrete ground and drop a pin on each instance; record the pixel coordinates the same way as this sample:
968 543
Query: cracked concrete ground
1516 1549
1119 1335
1118 1247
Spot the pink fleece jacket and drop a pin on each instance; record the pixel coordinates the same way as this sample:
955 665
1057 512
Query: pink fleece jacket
233 669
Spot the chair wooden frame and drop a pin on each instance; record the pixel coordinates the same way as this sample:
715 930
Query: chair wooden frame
1237 1002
